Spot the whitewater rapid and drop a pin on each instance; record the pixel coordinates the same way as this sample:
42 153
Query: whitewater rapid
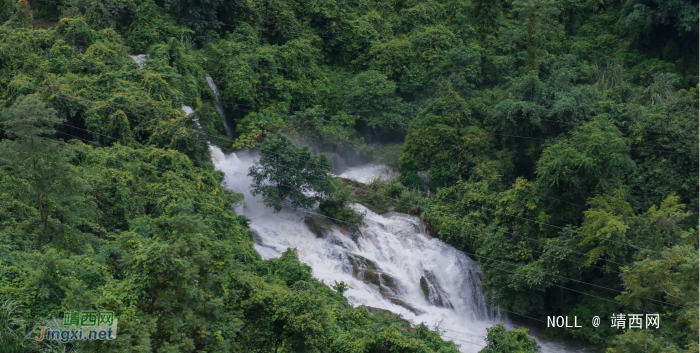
394 265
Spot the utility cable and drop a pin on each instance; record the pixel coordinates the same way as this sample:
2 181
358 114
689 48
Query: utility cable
429 195
465 252
235 172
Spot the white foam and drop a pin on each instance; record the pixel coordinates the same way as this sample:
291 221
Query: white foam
368 172
140 59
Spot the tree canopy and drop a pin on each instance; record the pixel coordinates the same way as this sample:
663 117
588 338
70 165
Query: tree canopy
553 141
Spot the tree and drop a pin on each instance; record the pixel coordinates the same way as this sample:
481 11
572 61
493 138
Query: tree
37 168
514 341
151 25
595 158
286 171
371 96
537 27
671 276
336 207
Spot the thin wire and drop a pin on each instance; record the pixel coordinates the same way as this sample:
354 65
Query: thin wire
429 195
591 284
466 333
474 343
341 221
544 272
348 222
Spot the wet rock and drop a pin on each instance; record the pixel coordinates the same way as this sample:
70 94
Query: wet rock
318 226
358 186
402 303
333 239
432 291
415 210
367 271
360 263
428 229
257 239
369 276
343 229
387 281
425 288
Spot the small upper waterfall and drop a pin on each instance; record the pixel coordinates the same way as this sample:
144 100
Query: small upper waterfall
187 109
213 88
217 103
140 59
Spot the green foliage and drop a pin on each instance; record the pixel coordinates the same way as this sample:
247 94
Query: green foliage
36 170
514 341
371 97
151 25
670 276
448 143
552 132
336 133
340 287
11 338
595 157
287 172
336 207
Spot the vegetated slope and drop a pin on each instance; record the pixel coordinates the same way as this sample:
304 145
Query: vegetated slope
561 138
146 233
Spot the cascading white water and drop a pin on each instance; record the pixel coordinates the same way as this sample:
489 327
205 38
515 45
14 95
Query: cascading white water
140 59
366 173
392 266
217 103
187 109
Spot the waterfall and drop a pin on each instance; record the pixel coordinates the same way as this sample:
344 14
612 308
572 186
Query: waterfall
365 173
217 103
140 59
393 265
188 110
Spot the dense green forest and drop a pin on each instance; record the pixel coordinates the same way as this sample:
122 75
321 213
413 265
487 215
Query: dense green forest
559 141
